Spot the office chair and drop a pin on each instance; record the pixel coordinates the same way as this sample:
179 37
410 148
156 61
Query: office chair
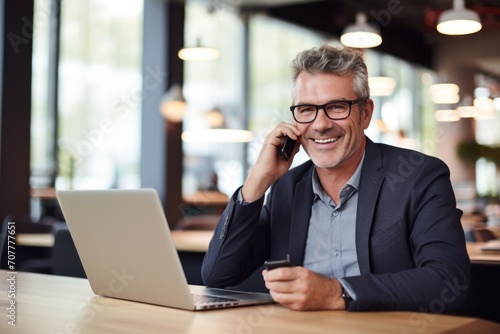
483 234
206 222
27 258
66 259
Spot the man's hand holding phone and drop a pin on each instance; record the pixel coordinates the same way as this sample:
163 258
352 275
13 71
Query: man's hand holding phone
272 161
270 265
299 288
287 148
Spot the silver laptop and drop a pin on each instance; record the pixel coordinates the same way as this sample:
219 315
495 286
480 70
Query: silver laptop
124 243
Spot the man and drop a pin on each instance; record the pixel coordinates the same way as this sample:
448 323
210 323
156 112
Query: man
368 226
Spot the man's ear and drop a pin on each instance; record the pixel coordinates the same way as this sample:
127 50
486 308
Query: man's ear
366 115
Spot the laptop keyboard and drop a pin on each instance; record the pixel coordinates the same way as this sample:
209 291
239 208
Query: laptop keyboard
211 299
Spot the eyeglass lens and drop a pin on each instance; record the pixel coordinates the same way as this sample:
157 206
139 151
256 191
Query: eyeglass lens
334 110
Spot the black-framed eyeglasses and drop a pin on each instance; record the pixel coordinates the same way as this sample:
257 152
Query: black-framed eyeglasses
334 110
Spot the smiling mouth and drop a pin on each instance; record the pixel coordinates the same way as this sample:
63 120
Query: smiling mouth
326 141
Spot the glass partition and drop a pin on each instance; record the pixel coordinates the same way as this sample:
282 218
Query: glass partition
99 90
406 113
213 88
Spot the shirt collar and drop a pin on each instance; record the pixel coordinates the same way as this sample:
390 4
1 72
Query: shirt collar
353 181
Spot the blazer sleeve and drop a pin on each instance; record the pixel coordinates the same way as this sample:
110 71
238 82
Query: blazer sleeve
239 246
438 279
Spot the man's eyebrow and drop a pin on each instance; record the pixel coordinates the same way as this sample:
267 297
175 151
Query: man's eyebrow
313 104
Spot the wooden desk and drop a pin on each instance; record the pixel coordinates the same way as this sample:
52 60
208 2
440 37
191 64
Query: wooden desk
478 256
44 193
56 304
495 230
192 241
35 239
207 198
188 241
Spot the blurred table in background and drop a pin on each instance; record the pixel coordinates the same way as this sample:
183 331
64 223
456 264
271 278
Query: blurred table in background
205 202
57 304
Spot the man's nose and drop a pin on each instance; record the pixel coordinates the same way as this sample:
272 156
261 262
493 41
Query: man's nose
321 121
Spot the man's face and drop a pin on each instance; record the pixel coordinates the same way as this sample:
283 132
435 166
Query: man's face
331 143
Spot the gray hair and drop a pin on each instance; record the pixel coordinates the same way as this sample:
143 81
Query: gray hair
342 61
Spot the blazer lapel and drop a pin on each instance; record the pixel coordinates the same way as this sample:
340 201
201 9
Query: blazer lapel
369 188
301 213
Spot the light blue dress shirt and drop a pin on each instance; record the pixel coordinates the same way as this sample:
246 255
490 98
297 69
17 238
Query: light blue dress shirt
331 239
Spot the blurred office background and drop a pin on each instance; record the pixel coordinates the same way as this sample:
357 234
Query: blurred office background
97 75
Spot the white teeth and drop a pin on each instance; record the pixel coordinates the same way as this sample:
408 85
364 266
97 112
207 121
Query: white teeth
324 141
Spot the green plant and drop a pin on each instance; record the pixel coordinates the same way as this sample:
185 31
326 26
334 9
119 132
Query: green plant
472 151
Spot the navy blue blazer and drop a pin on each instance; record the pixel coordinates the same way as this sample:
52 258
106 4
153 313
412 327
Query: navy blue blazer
409 240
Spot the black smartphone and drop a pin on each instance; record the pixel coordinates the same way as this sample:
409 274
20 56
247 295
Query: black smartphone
270 265
287 148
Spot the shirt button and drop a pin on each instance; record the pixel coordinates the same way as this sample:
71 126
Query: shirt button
336 253
335 213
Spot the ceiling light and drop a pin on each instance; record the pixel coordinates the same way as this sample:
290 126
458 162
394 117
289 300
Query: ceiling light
445 98
444 93
445 88
215 118
381 86
217 131
459 20
485 107
361 34
173 104
485 116
198 52
467 111
446 115
484 104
